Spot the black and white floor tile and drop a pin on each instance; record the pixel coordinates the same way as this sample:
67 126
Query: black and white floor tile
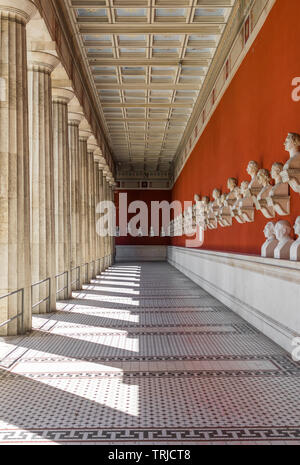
142 355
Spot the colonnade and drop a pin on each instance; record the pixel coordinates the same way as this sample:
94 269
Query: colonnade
52 176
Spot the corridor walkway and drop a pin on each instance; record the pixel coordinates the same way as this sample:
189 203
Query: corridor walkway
144 355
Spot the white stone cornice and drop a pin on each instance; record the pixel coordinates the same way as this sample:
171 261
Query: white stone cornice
44 61
23 8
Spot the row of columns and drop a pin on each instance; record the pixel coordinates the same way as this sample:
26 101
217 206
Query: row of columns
52 176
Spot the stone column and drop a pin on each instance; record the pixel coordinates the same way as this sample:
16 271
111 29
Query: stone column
101 199
83 208
91 214
94 152
14 166
74 119
109 237
43 259
97 201
61 98
106 239
112 239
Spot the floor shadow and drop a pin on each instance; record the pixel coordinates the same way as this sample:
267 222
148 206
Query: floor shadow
33 405
73 347
85 319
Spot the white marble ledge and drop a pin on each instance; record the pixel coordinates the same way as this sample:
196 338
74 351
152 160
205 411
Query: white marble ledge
288 269
263 291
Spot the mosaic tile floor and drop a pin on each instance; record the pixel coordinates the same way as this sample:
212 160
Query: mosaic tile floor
142 355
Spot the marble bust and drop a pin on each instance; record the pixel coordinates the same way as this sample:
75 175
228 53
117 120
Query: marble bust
196 209
224 213
212 210
212 222
291 170
246 207
282 232
232 184
203 207
279 197
295 248
262 198
235 209
254 185
271 242
216 194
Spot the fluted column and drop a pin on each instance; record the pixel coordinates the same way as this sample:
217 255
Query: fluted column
91 214
43 259
84 233
101 199
106 238
60 99
109 237
86 134
74 119
112 238
97 201
14 166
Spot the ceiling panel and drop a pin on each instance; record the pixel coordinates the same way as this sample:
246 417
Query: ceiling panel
148 60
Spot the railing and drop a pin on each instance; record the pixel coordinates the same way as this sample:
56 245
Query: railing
77 280
86 265
18 314
64 273
46 299
94 267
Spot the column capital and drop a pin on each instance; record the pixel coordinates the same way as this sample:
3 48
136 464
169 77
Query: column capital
62 90
23 8
85 131
60 94
98 156
43 60
75 111
102 168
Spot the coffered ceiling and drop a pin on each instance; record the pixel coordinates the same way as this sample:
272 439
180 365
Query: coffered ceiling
148 60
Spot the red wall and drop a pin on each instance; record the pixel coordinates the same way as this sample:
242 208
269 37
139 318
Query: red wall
147 196
250 123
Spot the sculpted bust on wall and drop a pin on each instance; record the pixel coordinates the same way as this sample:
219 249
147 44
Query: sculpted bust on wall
291 170
255 185
224 212
196 209
246 206
282 232
232 184
202 214
262 204
271 243
279 197
235 209
211 216
295 248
